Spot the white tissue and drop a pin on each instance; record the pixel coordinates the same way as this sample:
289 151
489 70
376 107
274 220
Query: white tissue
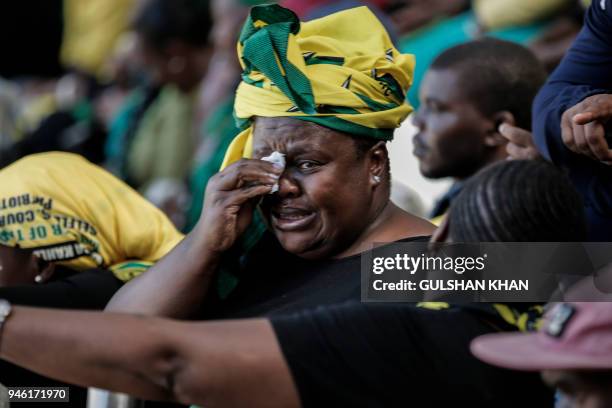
278 159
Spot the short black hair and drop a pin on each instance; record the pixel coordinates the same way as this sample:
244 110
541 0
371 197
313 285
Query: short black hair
496 75
514 201
161 21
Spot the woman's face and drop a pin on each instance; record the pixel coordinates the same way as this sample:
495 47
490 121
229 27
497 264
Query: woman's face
325 198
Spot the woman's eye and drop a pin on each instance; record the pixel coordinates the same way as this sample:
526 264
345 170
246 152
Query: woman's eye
307 165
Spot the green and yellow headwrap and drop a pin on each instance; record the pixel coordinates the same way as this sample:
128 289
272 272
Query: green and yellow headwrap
340 71
76 214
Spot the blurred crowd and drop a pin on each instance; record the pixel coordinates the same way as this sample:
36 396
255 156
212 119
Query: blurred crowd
145 88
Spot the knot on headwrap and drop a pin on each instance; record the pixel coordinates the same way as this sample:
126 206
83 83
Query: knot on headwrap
76 214
340 71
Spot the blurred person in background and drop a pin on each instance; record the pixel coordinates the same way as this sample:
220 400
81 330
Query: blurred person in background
214 124
563 22
468 93
70 235
153 139
60 113
549 48
553 43
91 32
524 24
303 9
410 15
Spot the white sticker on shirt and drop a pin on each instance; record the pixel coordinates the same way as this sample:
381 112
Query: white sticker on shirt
602 3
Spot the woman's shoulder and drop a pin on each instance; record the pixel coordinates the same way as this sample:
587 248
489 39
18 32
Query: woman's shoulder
404 225
418 238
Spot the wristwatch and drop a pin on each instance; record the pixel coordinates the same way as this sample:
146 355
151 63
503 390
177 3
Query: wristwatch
5 311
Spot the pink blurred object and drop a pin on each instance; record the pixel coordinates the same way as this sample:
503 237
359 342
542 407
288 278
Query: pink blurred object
574 336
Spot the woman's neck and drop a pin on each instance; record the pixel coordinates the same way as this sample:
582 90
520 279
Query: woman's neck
391 224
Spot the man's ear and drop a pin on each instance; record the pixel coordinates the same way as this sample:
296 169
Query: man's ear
45 270
378 162
494 138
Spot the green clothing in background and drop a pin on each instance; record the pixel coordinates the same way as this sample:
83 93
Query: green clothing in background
117 141
427 43
163 144
218 132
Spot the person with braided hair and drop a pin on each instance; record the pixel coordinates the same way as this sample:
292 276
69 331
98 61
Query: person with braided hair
497 220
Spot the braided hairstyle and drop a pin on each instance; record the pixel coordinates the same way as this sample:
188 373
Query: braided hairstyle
512 201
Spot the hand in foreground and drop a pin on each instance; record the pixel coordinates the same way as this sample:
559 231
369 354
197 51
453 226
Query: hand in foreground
520 143
231 197
582 128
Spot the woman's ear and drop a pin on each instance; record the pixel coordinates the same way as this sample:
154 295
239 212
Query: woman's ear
494 138
378 162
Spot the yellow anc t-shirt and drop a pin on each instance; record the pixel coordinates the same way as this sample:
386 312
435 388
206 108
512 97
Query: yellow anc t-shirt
76 214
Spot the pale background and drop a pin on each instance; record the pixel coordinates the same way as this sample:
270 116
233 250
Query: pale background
405 168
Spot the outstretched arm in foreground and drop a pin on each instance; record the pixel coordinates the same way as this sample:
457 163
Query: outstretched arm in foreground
224 364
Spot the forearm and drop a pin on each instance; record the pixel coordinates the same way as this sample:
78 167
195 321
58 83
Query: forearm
217 364
89 349
174 287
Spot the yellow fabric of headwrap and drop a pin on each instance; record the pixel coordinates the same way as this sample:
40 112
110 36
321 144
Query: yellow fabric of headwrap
76 214
340 71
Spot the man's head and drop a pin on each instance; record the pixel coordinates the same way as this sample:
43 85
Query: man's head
174 40
516 201
573 350
333 187
467 93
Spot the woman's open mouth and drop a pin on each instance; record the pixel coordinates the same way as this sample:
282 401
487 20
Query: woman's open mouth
291 219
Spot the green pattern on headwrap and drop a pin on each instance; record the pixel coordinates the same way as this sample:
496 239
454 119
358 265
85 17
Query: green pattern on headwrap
266 47
284 71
